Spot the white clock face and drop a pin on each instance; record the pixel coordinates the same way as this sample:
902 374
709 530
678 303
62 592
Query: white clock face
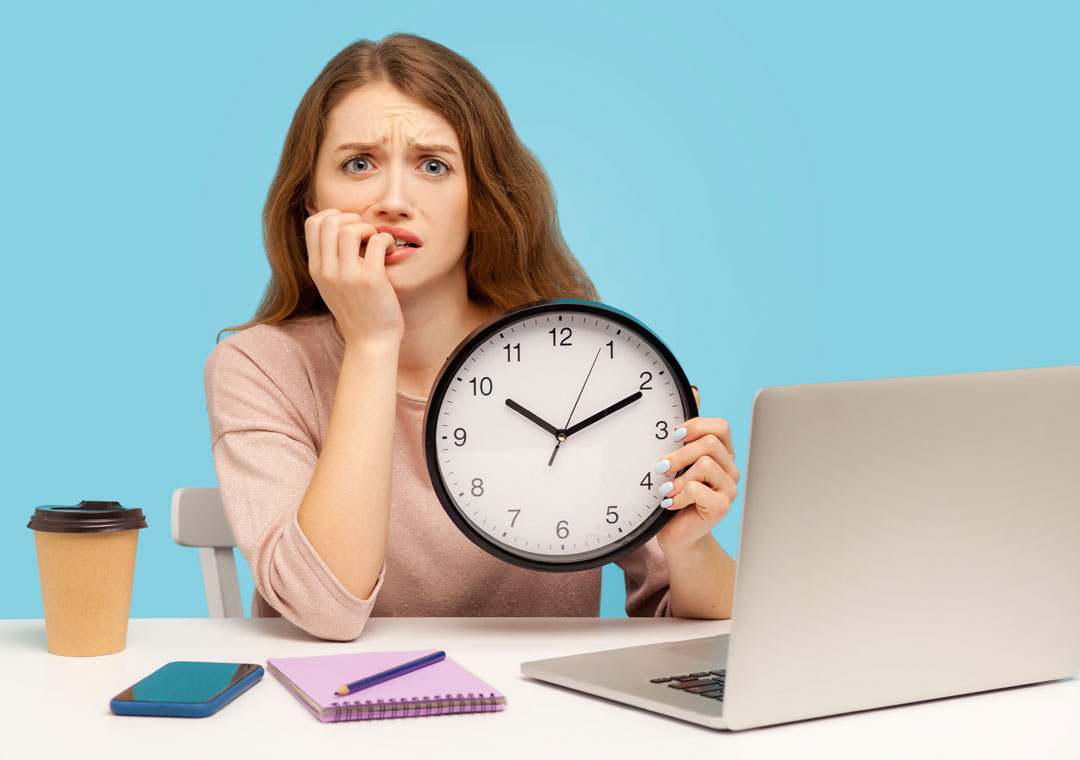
516 450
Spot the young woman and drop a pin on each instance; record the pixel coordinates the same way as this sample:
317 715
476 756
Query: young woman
405 212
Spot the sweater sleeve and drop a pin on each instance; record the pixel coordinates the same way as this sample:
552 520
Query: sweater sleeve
647 586
265 456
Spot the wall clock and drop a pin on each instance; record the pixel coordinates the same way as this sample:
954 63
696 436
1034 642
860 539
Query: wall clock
543 428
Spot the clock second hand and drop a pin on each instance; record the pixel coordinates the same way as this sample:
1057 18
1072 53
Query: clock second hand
562 436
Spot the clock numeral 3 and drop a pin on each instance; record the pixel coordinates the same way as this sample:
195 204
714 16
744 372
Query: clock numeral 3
562 529
484 385
477 485
566 332
662 424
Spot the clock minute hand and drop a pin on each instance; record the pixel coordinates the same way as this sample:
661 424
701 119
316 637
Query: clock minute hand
530 416
604 413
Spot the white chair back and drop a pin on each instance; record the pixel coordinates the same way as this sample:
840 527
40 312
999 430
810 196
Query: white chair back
198 519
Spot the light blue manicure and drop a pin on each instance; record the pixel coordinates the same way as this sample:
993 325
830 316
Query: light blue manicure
662 466
680 433
666 488
666 503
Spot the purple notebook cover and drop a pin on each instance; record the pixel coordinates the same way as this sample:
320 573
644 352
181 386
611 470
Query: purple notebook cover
444 688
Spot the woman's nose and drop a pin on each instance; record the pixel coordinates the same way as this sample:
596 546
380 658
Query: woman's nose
394 192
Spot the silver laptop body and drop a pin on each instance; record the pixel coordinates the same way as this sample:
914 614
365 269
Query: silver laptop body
902 540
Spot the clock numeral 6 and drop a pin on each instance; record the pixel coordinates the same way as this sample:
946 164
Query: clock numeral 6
477 487
484 386
611 513
562 529
459 437
566 332
662 424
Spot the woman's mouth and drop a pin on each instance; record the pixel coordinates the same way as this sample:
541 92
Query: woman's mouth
399 245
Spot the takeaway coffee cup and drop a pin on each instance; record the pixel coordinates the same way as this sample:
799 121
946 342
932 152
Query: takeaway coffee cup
86 560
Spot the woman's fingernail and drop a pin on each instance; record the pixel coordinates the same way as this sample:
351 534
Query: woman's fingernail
662 466
666 488
680 433
666 503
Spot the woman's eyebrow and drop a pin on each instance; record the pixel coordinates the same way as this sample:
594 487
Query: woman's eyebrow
416 146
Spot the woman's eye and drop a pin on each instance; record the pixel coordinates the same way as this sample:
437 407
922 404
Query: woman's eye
356 158
435 162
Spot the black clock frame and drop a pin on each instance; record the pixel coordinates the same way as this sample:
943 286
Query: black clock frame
457 357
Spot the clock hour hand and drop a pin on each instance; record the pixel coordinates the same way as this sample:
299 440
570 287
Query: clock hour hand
530 416
604 413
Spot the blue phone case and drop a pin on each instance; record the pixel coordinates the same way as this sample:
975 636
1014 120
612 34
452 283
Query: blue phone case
187 709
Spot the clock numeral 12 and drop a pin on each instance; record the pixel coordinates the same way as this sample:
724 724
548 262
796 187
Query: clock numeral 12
566 338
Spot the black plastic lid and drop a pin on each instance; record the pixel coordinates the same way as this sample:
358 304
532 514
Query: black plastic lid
86 517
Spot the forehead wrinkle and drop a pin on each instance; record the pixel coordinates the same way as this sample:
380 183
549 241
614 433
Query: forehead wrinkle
404 123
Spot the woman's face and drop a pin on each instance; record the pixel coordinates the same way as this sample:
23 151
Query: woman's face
396 163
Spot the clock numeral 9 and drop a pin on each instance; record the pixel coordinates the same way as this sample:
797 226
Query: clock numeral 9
459 437
562 529
566 338
477 487
611 513
645 384
662 424
517 347
484 386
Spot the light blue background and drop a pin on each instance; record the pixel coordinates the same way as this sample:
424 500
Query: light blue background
784 192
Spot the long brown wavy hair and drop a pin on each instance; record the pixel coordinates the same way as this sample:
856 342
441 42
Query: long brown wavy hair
515 251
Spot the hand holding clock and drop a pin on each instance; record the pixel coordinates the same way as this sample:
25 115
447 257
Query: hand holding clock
709 486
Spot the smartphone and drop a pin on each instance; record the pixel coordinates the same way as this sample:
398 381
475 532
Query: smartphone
187 689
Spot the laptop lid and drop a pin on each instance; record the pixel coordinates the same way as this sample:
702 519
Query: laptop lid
906 539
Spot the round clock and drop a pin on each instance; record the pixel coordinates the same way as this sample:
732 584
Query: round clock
543 430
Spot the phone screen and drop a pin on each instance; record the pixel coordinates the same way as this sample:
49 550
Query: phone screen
189 682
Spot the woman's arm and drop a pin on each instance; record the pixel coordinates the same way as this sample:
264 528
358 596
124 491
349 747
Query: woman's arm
701 574
702 580
263 425
345 513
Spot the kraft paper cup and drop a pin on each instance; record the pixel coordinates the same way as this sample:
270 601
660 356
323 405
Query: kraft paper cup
86 561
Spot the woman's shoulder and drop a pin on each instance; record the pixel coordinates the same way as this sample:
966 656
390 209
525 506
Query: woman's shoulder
293 343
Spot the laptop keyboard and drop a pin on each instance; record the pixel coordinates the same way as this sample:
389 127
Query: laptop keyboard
707 683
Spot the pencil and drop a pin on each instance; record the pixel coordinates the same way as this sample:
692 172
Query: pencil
394 672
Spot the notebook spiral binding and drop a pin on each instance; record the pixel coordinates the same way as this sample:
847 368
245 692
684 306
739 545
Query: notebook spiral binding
413 707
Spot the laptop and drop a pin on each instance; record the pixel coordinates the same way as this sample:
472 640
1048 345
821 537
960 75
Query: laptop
902 540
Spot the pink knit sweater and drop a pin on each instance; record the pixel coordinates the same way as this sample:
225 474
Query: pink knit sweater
269 393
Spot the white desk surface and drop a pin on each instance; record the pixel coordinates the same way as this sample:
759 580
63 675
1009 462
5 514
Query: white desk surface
53 704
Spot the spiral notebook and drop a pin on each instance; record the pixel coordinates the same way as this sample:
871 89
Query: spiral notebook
444 688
